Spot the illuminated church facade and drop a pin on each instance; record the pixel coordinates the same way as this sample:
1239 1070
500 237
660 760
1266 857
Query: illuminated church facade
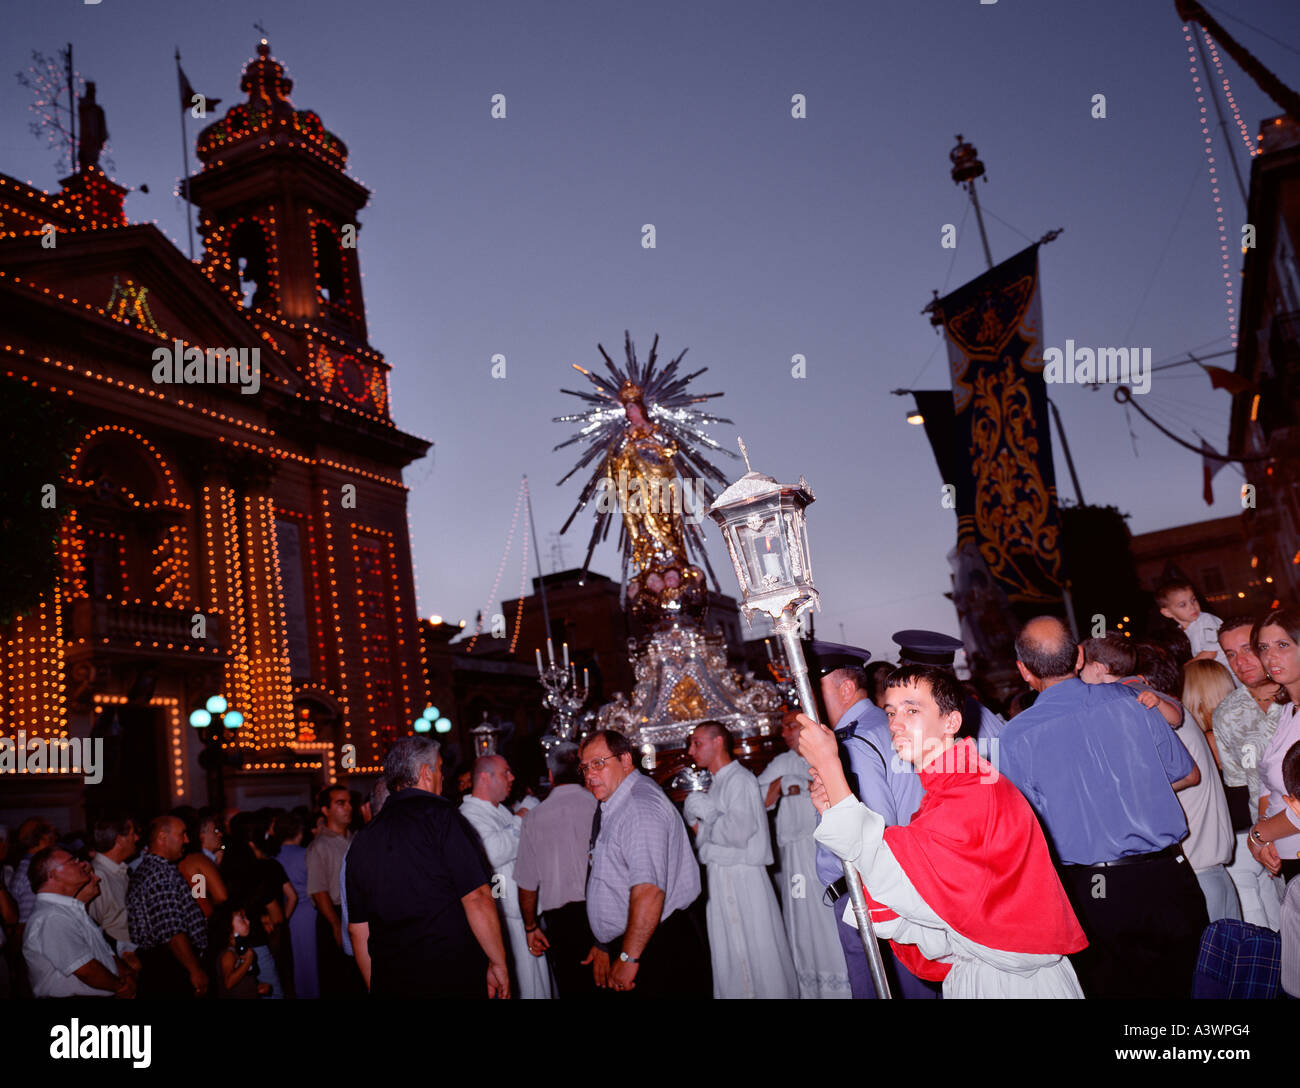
244 537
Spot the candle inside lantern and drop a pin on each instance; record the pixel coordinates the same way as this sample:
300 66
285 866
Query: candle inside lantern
771 559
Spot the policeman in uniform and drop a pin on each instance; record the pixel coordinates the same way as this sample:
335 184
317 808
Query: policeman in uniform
879 779
932 648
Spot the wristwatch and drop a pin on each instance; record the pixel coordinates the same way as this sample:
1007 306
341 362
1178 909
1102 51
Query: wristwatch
1257 837
623 957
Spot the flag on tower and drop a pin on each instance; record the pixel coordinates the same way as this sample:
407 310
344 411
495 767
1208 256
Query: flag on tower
188 92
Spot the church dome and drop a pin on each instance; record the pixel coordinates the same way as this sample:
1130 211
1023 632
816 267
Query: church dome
266 115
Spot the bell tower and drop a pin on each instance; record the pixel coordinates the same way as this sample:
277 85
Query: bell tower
278 212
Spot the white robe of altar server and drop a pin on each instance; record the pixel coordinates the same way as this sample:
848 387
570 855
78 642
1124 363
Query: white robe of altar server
853 831
818 956
747 943
498 829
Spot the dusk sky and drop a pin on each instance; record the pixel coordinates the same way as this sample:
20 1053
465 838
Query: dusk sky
775 236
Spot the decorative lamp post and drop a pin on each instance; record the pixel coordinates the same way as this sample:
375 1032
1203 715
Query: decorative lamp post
214 720
762 522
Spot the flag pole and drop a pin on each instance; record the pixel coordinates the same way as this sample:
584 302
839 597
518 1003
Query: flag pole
72 115
185 159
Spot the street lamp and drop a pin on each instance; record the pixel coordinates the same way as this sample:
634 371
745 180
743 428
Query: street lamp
213 719
762 522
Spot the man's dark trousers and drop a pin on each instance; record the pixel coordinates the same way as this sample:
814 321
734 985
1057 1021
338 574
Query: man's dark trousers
570 939
163 975
1143 922
674 964
339 974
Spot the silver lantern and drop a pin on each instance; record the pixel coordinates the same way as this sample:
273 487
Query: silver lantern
762 522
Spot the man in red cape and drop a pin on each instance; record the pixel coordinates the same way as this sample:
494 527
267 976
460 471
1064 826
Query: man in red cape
966 892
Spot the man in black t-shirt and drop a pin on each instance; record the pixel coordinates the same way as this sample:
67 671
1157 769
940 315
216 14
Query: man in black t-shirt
421 915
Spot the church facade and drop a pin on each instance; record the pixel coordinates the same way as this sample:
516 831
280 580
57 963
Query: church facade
232 524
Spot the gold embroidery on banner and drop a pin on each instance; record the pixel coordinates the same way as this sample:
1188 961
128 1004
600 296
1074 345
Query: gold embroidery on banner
1013 524
983 329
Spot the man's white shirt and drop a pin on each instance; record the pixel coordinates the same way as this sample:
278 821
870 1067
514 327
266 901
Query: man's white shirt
60 938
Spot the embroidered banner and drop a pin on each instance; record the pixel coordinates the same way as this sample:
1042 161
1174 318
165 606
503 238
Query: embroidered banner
1002 449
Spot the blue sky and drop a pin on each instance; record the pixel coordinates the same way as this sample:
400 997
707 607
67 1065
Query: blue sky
774 236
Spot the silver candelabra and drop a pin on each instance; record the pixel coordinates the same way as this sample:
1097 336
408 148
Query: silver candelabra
563 695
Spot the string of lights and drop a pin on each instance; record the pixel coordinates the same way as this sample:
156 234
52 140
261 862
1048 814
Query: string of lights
47 79
501 566
1203 119
1251 148
523 581
336 615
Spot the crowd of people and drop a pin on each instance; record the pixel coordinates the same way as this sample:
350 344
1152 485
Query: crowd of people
1129 828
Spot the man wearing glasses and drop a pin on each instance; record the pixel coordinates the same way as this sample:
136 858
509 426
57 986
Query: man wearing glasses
642 881
66 953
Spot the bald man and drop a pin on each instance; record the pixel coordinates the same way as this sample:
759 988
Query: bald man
748 946
498 829
164 919
1101 770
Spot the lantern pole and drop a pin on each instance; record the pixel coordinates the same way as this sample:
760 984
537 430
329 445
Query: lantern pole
787 629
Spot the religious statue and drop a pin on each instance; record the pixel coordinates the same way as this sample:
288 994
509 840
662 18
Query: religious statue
644 443
643 424
93 127
643 474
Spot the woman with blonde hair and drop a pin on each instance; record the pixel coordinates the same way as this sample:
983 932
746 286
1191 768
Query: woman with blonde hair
1206 684
1210 840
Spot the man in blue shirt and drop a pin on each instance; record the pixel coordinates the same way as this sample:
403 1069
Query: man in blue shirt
879 779
1101 770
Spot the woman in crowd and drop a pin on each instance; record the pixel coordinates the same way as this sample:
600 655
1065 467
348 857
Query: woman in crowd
1276 641
234 962
302 914
199 864
259 885
1205 685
